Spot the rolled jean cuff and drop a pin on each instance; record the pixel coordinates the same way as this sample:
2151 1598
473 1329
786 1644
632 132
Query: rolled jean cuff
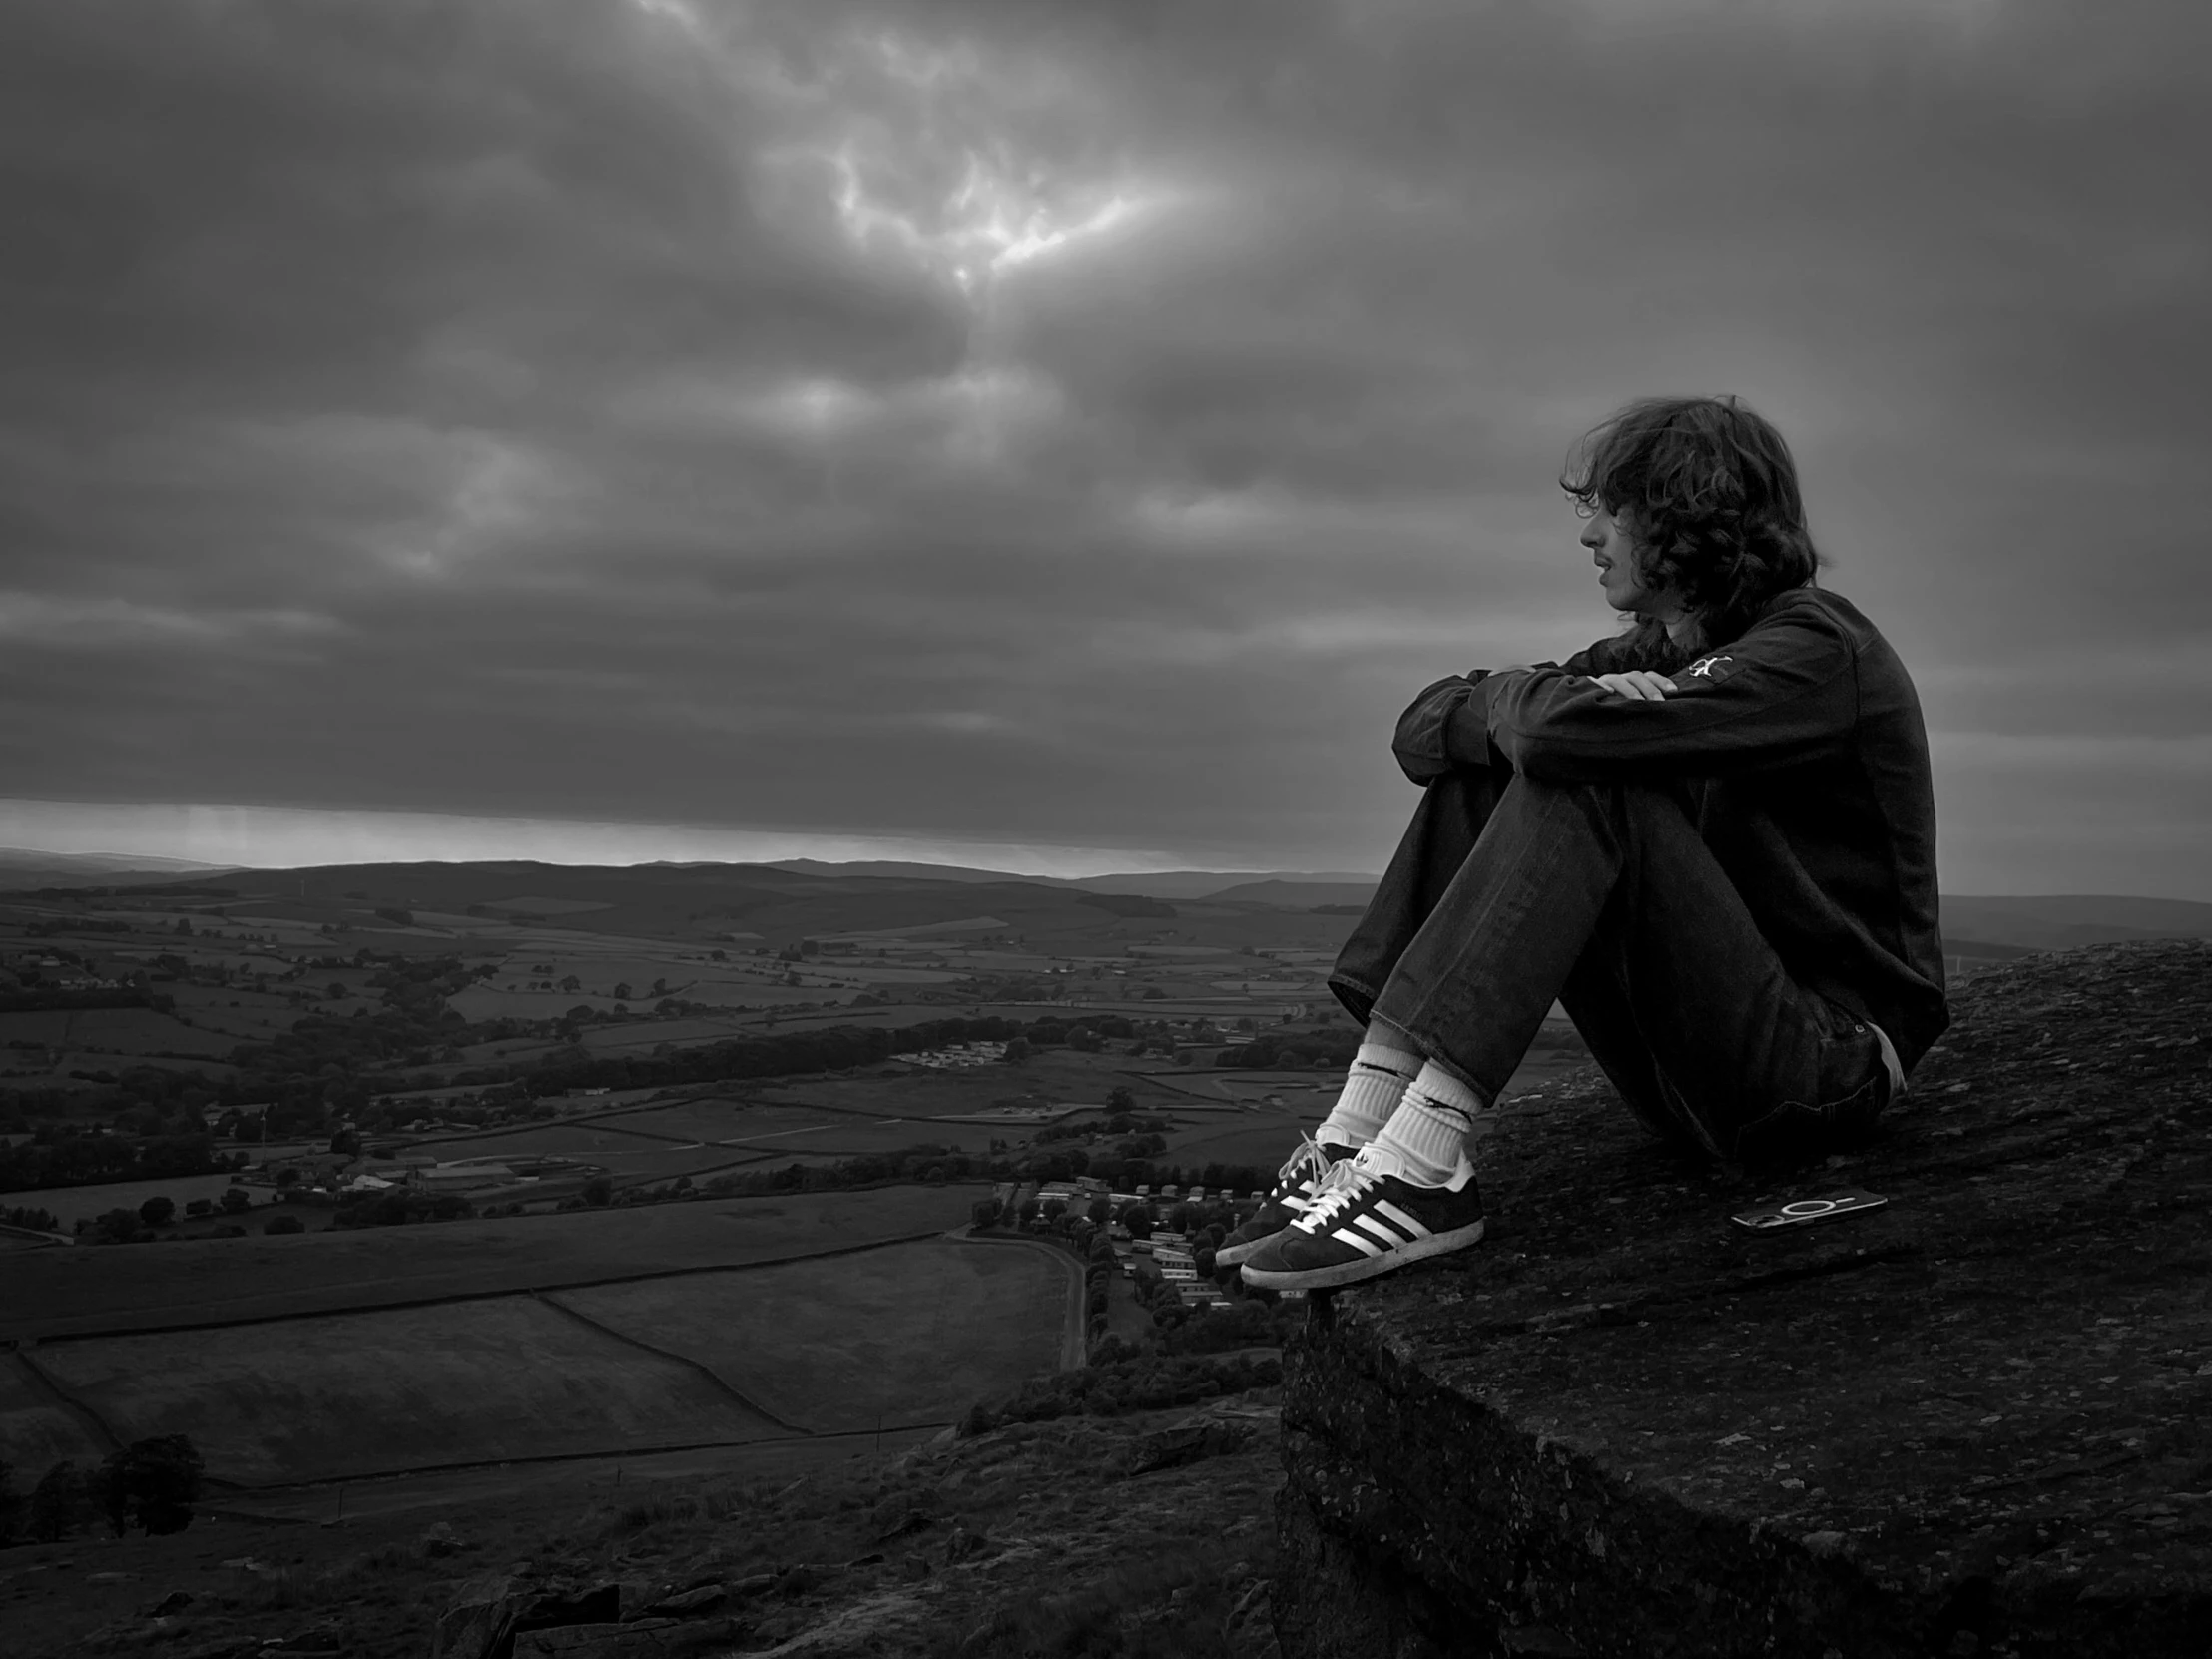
1355 999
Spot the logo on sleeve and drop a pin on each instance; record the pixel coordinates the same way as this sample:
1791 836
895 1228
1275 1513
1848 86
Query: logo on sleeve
1708 668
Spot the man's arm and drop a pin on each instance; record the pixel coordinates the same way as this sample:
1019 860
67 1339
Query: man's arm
1783 693
1431 728
1448 724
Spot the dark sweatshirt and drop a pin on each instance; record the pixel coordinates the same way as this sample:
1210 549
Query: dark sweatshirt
1803 745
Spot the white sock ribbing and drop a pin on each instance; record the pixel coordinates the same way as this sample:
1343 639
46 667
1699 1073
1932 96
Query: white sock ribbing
1428 1131
1379 1076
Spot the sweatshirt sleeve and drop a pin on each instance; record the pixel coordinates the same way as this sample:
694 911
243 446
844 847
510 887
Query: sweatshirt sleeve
1433 725
1448 724
1783 693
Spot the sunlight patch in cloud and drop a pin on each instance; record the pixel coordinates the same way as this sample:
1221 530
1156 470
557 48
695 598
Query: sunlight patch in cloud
949 162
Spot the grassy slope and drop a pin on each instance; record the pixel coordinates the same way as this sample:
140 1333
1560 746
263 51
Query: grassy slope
52 1292
914 1333
362 1393
1075 1558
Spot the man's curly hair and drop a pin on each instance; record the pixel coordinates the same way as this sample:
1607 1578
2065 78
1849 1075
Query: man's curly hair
1709 494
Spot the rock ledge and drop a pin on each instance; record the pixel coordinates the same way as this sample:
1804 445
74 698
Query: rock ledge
1977 1421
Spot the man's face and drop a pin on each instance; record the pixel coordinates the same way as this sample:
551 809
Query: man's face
1607 537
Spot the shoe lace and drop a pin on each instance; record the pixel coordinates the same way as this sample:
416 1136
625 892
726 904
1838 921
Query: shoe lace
1309 1159
1340 1189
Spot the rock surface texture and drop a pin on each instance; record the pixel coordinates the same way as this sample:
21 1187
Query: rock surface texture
1975 1421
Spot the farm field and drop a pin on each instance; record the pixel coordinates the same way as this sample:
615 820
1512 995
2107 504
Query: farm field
340 1395
592 1140
191 1282
1262 1140
120 1031
896 1089
902 1335
911 1332
691 1120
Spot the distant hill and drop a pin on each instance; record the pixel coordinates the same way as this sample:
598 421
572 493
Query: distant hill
2064 921
25 869
1171 884
746 903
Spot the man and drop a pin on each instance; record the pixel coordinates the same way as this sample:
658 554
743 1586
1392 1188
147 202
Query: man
1711 838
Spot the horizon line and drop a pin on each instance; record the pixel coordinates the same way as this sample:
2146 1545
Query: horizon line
243 836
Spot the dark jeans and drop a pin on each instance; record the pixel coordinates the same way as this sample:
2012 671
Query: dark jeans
1508 893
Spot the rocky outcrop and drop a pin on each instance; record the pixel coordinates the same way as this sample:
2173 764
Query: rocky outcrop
1975 1421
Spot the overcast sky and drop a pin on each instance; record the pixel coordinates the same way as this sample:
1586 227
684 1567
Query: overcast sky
1064 431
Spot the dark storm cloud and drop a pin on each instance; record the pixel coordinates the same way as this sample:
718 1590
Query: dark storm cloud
1064 423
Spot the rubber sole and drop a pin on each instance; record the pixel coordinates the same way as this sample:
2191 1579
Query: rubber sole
1362 1267
1229 1255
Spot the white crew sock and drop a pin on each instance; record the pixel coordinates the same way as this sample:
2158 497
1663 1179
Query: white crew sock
1428 1131
1379 1076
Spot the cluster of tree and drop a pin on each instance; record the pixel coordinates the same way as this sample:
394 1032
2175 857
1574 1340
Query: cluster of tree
64 1155
1117 1384
151 1484
1324 1048
837 1048
328 1064
33 998
1246 1321
121 1226
400 1206
38 1221
1099 1268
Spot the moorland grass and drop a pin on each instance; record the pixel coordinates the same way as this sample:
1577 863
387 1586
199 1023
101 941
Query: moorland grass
910 1334
126 1286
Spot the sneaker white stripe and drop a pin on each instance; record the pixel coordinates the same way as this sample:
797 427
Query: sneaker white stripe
1366 1245
1380 1229
1408 1224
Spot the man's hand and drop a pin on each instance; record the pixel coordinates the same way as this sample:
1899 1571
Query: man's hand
1639 684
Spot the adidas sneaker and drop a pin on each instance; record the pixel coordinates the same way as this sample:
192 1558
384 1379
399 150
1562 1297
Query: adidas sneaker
1365 1219
1292 1193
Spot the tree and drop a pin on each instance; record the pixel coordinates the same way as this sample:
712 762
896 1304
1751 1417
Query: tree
152 1483
286 1179
1101 1210
284 1224
1119 1099
1138 1219
622 990
985 1212
1055 1208
337 991
599 1191
237 1201
1018 1050
571 986
158 1211
11 1503
57 1506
